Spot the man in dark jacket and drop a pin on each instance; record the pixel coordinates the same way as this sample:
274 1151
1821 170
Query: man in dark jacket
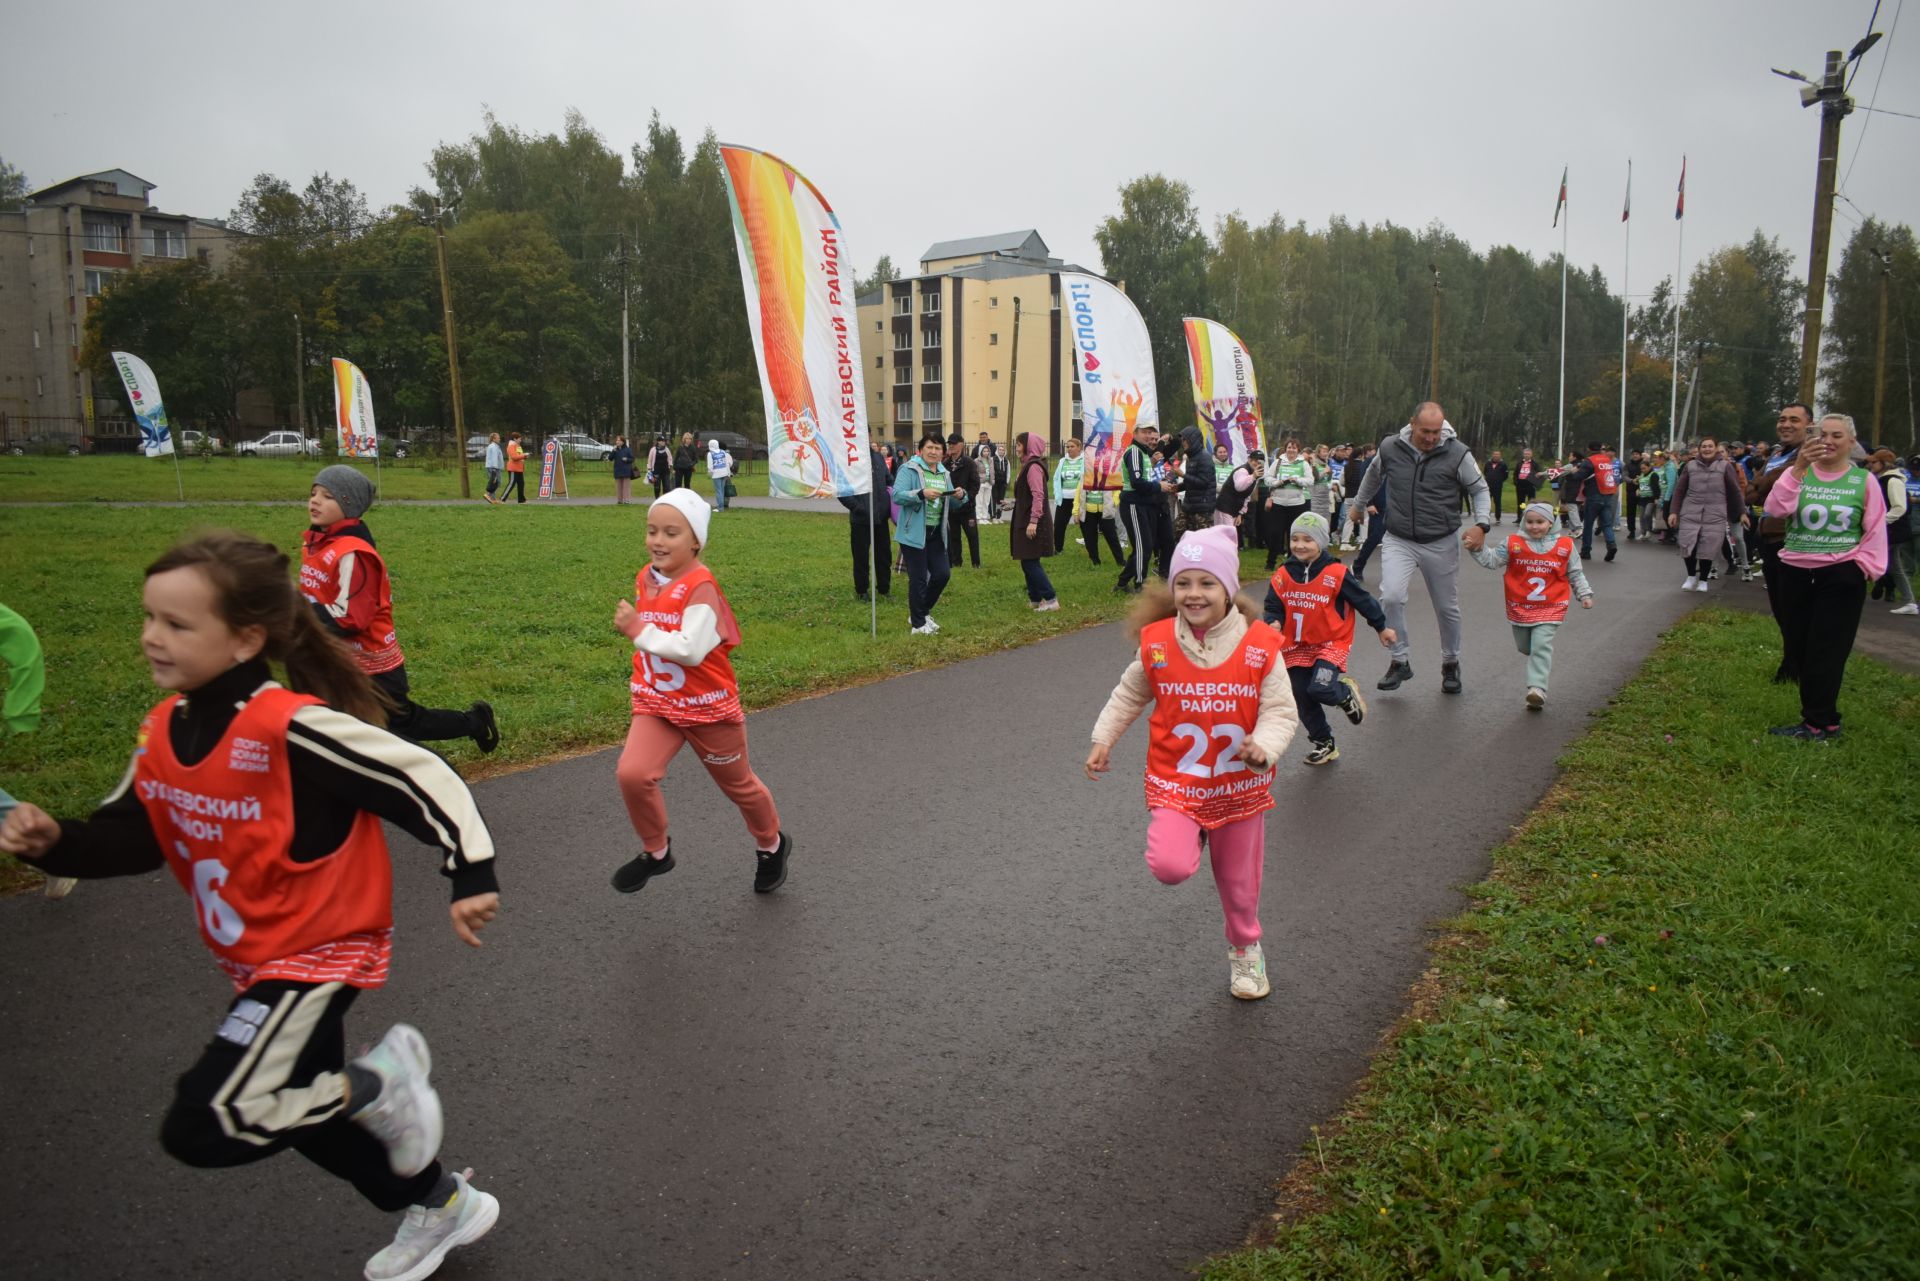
1143 511
963 513
867 524
1497 484
1200 484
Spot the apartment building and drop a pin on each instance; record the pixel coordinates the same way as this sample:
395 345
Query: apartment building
58 253
940 346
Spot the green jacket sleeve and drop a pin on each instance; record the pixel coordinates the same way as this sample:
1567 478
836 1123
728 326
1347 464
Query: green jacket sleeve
27 673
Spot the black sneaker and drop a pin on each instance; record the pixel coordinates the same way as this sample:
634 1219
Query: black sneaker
1353 705
771 873
1808 733
1450 678
1323 752
633 876
486 730
1612 552
1399 672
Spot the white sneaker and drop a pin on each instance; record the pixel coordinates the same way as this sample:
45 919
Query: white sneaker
925 629
426 1235
1692 581
61 886
1536 698
406 1116
1046 605
1911 607
932 624
1700 586
1247 972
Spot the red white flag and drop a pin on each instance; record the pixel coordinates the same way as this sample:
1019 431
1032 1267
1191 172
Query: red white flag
1561 203
1680 205
1626 206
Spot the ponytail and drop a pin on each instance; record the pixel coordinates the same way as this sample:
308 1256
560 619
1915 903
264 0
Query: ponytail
253 587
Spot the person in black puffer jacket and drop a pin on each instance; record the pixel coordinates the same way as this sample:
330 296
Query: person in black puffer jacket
1200 487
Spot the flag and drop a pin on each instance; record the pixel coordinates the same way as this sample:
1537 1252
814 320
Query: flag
353 411
1626 206
1561 203
1225 398
143 393
1114 358
806 335
1680 205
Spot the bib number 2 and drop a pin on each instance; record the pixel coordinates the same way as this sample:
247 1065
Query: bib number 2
1536 588
1200 738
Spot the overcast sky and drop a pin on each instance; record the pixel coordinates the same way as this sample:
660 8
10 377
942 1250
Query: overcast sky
924 122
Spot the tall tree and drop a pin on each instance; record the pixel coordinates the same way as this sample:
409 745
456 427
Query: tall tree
883 271
13 187
1156 248
1852 335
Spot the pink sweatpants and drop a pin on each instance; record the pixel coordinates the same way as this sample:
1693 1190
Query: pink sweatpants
1173 854
652 743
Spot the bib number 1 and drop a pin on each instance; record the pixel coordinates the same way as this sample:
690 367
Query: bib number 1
1200 738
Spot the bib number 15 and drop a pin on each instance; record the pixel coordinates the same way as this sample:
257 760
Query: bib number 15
1200 738
662 674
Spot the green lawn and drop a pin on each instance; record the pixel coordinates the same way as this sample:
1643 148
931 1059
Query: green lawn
1678 1030
125 478
514 605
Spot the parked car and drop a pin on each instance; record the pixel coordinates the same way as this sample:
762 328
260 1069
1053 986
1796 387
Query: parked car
477 447
279 444
197 442
580 445
741 447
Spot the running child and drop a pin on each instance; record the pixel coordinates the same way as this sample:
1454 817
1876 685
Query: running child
684 691
1222 713
1311 601
1542 574
266 804
346 579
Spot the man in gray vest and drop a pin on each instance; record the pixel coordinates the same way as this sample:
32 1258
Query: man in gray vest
1425 470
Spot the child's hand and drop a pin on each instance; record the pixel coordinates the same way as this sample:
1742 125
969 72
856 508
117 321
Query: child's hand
29 831
1097 761
626 620
471 914
1388 637
1253 756
1586 602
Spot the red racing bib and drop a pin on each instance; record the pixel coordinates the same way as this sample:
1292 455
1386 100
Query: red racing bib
1313 628
1201 716
700 695
1537 586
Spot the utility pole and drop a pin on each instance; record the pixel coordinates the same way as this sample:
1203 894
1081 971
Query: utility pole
1880 348
300 376
1830 91
453 352
1433 371
1013 378
626 362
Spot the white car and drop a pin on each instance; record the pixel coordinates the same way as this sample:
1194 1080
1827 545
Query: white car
579 445
196 442
279 444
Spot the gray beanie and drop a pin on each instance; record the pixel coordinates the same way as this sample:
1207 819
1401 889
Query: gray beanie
352 490
1314 527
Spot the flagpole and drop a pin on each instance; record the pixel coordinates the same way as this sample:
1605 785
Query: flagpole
173 440
1626 308
1560 453
1680 240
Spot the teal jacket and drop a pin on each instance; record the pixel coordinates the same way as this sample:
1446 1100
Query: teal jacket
912 478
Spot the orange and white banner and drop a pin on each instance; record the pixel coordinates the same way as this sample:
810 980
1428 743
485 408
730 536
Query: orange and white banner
353 411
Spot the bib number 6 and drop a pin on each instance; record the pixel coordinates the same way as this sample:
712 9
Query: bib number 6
1201 737
663 674
223 923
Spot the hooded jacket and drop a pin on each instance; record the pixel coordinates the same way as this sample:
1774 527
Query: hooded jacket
1200 487
1424 490
1030 505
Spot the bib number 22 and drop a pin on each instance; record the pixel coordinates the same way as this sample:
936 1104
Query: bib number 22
1200 738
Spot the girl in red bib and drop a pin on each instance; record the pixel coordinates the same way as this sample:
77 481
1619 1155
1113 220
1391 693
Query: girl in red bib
1222 713
684 691
266 805
1542 574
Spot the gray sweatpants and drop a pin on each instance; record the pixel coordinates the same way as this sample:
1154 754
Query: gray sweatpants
1439 565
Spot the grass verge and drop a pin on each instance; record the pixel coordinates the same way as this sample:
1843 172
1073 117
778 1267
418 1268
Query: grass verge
1676 1033
514 606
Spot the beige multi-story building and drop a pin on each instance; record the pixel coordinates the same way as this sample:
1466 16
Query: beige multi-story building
940 346
57 254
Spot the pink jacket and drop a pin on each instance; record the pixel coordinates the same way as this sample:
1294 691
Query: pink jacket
1870 552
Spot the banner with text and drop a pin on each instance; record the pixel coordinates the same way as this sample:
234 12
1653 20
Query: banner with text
1115 360
806 335
143 393
353 411
1226 401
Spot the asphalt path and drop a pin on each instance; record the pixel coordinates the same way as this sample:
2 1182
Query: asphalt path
972 1037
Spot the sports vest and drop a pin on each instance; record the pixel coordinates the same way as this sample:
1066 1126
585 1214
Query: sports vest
1606 472
226 825
1538 588
1829 515
1314 627
1295 479
1201 716
377 649
1233 501
699 695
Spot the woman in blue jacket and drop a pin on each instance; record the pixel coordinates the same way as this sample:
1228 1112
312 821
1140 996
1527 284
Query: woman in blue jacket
623 470
920 490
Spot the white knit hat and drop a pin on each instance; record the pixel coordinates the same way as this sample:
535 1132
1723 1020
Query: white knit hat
690 505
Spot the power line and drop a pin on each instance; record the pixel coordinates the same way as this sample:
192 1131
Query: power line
1886 53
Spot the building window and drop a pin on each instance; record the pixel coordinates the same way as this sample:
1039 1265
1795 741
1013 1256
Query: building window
29 246
163 242
39 386
97 282
993 300
993 340
878 325
879 362
902 376
73 333
993 411
930 303
903 305
105 237
994 376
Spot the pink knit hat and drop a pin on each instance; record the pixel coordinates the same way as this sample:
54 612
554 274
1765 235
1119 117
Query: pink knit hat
1215 550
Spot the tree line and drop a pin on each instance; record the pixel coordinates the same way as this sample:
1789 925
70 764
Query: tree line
543 229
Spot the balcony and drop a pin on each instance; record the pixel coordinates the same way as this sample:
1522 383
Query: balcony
929 340
903 306
929 411
930 374
930 304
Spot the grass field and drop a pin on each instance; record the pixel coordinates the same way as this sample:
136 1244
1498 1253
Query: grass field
514 606
1676 1036
222 477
